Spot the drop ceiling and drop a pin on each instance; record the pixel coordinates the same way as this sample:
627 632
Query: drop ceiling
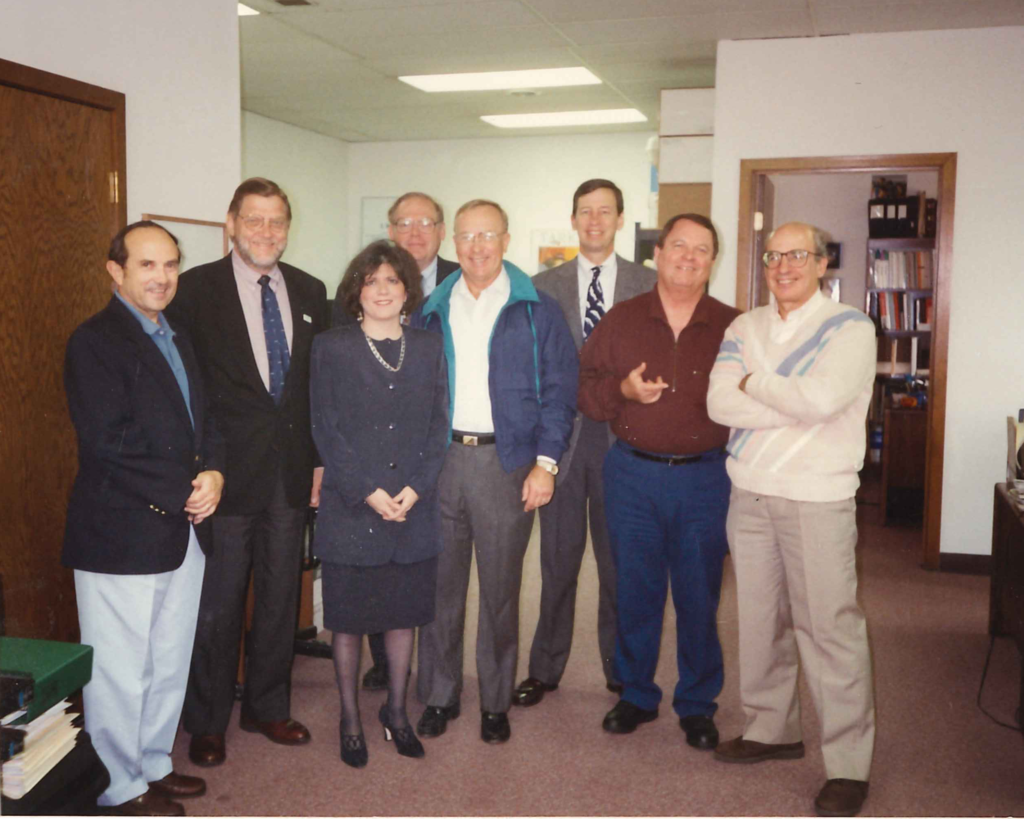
332 66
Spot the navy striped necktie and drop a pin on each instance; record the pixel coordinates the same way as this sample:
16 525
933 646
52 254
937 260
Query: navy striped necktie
277 341
595 304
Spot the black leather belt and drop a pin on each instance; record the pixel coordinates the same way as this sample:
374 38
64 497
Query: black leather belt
678 460
472 438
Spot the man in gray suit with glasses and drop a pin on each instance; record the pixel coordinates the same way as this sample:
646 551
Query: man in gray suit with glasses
585 288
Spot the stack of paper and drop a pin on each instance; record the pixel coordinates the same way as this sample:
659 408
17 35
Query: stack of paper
48 739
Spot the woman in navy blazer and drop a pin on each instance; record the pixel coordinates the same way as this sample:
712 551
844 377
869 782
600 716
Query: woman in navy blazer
379 393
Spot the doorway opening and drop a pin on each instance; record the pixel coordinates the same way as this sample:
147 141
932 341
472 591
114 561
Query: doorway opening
758 180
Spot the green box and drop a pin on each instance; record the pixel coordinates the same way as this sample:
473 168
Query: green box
58 669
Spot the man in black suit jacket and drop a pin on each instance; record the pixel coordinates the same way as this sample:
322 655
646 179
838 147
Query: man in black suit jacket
416 223
252 321
149 475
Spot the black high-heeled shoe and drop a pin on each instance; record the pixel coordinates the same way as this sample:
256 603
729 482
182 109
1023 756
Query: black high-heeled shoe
405 739
353 749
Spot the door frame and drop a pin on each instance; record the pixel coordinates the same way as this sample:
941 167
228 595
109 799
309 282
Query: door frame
752 174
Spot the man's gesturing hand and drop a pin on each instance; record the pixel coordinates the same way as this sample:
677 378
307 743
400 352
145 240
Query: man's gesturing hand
635 388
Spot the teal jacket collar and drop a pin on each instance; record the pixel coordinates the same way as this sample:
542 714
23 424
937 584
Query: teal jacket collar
522 289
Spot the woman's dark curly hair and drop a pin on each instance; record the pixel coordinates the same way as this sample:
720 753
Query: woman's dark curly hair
368 261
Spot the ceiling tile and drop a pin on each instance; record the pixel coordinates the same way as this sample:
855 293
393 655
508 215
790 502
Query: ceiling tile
564 11
706 27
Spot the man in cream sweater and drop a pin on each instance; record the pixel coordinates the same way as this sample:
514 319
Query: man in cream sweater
793 380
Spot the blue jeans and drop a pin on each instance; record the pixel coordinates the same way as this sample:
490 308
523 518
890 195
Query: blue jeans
667 525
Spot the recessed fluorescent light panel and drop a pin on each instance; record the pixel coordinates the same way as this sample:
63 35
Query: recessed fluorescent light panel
554 119
245 11
501 80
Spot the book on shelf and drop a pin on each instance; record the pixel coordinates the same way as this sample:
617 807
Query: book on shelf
45 741
901 269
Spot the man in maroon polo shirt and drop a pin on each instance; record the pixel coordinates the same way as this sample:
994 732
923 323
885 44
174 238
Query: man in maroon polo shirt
645 370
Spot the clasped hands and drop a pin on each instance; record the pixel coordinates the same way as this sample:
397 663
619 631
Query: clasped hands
206 491
392 508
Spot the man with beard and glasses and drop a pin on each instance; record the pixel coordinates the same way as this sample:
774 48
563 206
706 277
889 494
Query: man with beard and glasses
252 319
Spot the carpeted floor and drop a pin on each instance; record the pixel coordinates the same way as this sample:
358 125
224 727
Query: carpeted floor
936 754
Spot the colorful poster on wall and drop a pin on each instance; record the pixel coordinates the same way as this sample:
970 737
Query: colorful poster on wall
552 248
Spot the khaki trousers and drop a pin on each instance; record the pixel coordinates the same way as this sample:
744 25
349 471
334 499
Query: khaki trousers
796 585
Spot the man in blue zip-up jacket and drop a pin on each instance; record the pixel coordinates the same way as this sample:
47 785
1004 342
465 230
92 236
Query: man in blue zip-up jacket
512 372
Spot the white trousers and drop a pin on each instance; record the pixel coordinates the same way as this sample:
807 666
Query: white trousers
141 628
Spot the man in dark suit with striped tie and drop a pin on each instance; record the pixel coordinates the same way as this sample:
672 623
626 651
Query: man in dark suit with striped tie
252 319
585 288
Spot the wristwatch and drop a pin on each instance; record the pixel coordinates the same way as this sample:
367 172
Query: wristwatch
547 466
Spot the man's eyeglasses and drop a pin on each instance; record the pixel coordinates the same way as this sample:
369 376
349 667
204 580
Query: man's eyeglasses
797 258
487 237
257 223
405 225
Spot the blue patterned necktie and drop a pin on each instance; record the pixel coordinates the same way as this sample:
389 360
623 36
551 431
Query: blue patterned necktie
277 341
595 304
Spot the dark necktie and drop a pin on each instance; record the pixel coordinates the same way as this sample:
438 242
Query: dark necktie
277 341
595 304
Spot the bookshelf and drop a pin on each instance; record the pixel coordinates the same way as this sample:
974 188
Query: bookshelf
899 298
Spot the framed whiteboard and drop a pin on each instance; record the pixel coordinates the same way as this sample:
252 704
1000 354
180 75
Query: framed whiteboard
374 218
200 241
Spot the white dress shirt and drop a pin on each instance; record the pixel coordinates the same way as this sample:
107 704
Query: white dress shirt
429 276
585 274
250 293
472 321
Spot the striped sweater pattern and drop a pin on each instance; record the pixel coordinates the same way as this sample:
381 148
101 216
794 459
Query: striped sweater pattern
798 429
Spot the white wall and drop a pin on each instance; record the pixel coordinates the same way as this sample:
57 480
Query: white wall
911 92
533 178
313 170
176 63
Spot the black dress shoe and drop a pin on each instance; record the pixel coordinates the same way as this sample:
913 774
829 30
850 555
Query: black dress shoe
701 732
531 691
434 721
404 738
353 750
625 717
494 727
376 679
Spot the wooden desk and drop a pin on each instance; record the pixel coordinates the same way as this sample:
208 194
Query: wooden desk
1006 603
904 444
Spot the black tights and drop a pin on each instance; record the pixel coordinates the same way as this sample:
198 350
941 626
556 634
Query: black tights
347 649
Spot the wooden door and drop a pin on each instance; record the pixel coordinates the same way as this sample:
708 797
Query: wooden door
62 179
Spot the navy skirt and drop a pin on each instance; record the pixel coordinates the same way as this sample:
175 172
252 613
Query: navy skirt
372 599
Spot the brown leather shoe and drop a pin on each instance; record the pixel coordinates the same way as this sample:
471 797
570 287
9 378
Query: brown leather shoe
747 751
207 750
531 691
841 797
281 731
179 786
149 804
